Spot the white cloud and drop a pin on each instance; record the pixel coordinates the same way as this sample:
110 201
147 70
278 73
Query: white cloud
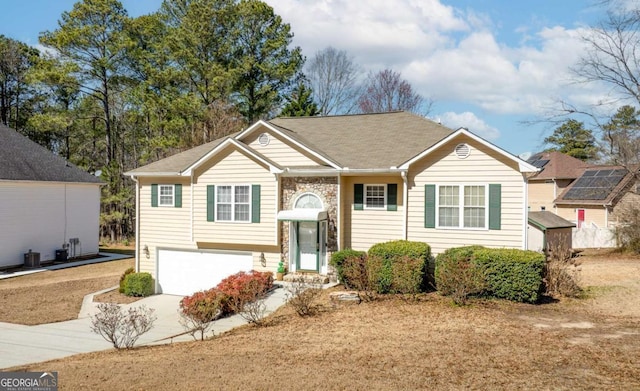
469 121
446 53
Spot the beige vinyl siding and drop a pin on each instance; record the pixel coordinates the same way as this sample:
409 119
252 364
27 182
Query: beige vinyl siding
364 228
593 214
232 167
163 226
280 151
169 228
541 194
482 166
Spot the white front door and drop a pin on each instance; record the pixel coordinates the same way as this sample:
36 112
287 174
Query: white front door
308 245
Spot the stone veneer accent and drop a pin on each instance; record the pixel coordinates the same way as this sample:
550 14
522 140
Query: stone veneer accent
324 187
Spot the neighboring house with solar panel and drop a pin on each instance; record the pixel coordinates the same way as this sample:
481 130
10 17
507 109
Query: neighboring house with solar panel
298 189
47 204
557 172
597 197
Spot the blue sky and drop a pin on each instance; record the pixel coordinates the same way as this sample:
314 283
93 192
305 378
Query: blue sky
487 64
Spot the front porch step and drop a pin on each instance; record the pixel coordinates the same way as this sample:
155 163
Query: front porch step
310 278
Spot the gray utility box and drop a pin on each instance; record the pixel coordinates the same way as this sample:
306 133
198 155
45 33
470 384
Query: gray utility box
31 259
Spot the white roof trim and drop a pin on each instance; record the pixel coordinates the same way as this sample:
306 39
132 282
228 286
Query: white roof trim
272 167
302 215
522 165
256 125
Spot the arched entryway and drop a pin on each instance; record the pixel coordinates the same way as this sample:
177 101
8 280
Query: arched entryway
308 234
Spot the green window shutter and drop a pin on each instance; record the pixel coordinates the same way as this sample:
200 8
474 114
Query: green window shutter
495 205
177 195
154 195
392 197
429 206
211 202
255 203
358 196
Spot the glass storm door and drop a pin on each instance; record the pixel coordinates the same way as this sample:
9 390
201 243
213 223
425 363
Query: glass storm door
308 246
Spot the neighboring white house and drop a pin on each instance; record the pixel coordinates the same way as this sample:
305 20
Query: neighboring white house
46 203
298 189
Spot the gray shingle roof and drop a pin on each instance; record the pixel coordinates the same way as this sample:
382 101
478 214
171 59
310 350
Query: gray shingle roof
363 141
175 164
546 220
366 140
24 160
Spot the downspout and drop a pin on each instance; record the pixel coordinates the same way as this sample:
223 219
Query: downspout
525 212
555 195
278 232
405 199
191 206
137 259
338 211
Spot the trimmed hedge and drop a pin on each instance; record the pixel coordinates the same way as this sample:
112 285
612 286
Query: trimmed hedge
138 284
399 266
338 258
456 274
511 274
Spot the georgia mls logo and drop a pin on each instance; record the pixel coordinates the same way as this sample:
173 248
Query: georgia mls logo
28 381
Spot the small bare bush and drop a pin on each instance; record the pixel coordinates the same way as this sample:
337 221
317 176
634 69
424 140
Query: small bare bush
302 295
628 230
122 328
562 273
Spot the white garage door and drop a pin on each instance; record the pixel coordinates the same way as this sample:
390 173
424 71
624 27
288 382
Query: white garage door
186 272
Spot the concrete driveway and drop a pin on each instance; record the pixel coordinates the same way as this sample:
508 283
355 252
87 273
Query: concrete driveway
21 345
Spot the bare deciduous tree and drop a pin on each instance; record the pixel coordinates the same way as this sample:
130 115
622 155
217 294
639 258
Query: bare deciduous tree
386 91
333 77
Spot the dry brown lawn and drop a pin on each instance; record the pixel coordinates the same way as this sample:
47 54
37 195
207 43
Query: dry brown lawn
396 345
55 295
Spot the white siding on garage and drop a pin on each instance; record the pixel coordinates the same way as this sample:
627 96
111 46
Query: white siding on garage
482 166
42 216
185 272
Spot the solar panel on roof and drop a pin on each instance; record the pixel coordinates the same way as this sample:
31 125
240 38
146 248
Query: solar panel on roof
595 184
540 163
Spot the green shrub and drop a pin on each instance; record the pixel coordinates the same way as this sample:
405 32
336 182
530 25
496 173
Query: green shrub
407 275
338 257
401 248
512 274
456 274
122 277
138 285
382 257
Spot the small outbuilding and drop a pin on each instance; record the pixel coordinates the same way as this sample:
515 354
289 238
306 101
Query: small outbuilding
48 207
548 231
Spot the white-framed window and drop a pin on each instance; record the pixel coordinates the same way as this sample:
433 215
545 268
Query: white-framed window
462 206
165 195
375 196
233 203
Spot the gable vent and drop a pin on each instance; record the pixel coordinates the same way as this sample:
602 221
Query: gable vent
264 139
462 151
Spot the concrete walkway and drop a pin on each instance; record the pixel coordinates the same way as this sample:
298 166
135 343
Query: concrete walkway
104 257
21 344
